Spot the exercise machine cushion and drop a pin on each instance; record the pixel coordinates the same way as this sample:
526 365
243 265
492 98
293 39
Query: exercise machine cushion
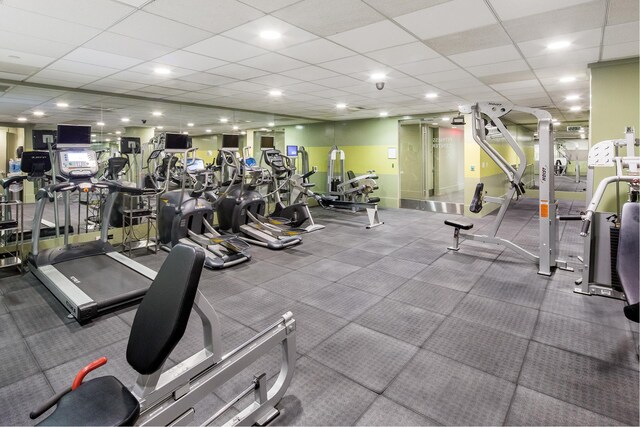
351 176
162 317
373 200
476 202
102 401
628 256
459 223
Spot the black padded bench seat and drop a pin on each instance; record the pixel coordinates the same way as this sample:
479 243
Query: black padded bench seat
459 223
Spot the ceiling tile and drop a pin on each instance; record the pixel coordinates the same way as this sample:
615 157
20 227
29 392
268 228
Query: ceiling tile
328 17
621 11
32 45
509 9
246 87
213 16
375 36
237 71
146 78
183 85
269 6
123 45
401 7
486 56
461 83
443 76
498 68
149 67
114 85
623 33
622 50
160 90
579 40
146 26
273 62
338 81
65 65
275 81
467 41
557 23
437 21
582 56
188 60
39 26
524 84
70 79
316 51
397 55
353 64
96 13
427 66
309 73
508 77
207 79
250 33
26 59
225 48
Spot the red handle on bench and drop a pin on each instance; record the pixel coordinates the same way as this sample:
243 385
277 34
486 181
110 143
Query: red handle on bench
84 371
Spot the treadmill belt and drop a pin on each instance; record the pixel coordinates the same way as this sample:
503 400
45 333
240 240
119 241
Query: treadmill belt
102 277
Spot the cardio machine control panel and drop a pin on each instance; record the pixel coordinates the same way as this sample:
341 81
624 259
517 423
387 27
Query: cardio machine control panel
75 164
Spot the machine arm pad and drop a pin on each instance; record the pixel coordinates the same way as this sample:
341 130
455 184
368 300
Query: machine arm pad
476 202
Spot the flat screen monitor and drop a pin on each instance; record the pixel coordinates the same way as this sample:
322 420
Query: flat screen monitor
73 135
267 142
130 145
176 142
41 138
195 165
292 151
230 141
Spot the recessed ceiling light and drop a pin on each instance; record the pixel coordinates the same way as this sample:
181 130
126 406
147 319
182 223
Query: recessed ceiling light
575 108
22 119
299 127
431 95
207 130
572 97
556 123
406 117
243 133
93 140
445 119
271 124
118 132
275 92
185 133
157 113
110 133
162 70
341 106
159 127
434 124
554 120
93 135
558 45
118 138
38 113
125 120
190 125
378 76
62 104
224 120
236 128
567 79
264 129
108 139
100 123
383 114
270 35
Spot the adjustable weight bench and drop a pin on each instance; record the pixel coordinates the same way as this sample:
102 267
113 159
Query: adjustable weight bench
168 397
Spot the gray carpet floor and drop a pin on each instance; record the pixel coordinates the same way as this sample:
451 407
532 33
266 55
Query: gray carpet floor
391 330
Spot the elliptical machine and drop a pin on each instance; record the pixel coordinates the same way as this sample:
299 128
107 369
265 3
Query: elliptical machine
283 175
187 218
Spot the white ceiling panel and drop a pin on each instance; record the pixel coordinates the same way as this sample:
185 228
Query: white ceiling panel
310 73
353 64
436 21
69 79
622 50
579 40
113 85
237 71
339 81
123 45
622 33
245 86
509 9
329 17
275 81
269 6
65 65
443 76
375 36
427 66
461 83
40 26
582 56
621 11
498 68
95 13
145 26
26 59
213 16
95 57
225 48
145 78
208 79
191 61
250 33
317 51
183 85
32 45
486 56
401 7
13 76
273 62
398 55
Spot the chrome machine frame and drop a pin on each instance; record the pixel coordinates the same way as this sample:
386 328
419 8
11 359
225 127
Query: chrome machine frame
494 111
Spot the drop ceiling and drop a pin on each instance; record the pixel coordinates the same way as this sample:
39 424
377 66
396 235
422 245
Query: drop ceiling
463 50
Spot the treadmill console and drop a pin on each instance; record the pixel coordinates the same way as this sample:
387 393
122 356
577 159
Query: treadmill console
74 164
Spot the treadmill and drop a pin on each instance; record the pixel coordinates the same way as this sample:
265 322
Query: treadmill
88 278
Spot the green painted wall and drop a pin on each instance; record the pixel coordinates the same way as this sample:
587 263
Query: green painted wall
365 143
615 104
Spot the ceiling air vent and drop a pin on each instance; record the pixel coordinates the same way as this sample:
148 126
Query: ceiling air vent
94 108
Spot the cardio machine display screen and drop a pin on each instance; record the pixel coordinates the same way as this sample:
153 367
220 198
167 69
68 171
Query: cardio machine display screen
195 165
292 151
73 135
80 156
177 141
